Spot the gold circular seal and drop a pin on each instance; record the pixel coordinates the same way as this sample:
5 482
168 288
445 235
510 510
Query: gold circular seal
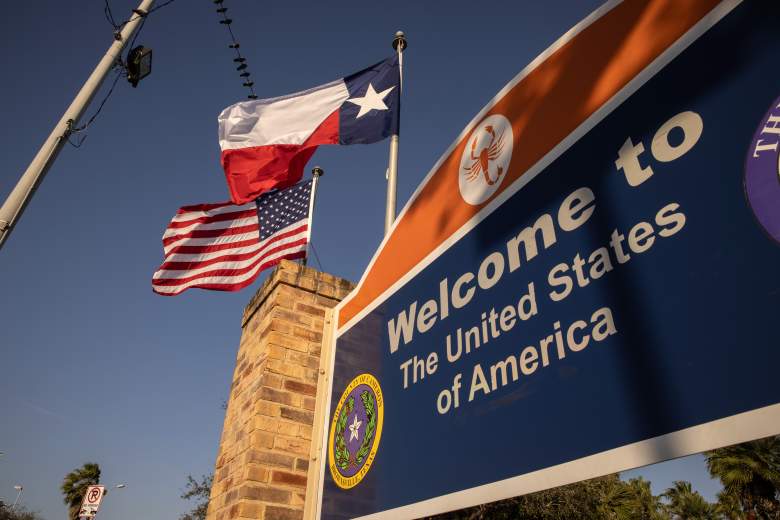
355 431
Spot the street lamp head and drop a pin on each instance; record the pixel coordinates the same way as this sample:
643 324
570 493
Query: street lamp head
18 487
120 486
139 64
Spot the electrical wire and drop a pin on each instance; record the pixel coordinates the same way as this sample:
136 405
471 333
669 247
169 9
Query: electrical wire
139 14
239 59
153 9
110 16
71 130
83 127
120 67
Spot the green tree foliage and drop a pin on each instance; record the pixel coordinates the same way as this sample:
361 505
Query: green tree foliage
728 507
17 513
75 484
750 474
642 504
686 504
606 498
200 492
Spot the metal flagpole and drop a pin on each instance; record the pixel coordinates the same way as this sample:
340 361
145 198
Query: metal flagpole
399 44
316 173
16 202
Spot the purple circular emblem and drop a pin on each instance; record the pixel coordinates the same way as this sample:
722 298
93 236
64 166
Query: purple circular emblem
762 172
357 433
356 429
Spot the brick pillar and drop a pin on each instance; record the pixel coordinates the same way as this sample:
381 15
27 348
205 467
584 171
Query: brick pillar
263 455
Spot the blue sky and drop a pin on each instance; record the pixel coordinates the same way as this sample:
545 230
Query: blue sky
93 365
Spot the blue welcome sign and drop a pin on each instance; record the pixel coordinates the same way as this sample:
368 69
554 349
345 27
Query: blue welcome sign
607 294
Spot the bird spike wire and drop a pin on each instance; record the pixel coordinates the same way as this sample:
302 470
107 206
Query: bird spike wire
240 61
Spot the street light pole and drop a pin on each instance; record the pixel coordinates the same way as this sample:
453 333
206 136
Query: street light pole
14 205
18 495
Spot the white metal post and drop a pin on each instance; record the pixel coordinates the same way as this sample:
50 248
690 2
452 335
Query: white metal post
22 193
318 453
316 173
399 44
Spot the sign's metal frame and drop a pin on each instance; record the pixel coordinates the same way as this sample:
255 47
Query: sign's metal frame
726 431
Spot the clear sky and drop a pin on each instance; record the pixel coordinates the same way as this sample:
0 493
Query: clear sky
93 365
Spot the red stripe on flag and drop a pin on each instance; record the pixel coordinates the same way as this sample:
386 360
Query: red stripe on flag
171 266
235 286
229 272
255 170
215 218
207 258
211 233
197 250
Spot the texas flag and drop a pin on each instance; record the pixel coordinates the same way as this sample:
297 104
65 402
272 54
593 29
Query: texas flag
266 143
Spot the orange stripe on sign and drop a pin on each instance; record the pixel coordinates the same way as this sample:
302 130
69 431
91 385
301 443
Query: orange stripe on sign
544 107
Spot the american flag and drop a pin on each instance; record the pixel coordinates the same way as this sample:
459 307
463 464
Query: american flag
225 246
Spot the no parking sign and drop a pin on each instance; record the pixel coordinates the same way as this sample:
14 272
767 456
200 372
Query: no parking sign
91 503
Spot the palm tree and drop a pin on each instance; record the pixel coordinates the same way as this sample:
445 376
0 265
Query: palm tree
75 485
750 473
643 504
728 507
687 504
616 500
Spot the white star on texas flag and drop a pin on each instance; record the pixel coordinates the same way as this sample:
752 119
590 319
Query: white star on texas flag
373 100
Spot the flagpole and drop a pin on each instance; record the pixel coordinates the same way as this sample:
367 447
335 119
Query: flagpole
316 173
399 44
16 202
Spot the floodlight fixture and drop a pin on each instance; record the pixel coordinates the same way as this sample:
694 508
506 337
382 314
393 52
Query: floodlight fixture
139 64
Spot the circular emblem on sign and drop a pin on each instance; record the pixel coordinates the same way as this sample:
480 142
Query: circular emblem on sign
485 159
94 495
762 172
355 431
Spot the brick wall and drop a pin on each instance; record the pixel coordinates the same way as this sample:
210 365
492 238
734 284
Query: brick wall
263 455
